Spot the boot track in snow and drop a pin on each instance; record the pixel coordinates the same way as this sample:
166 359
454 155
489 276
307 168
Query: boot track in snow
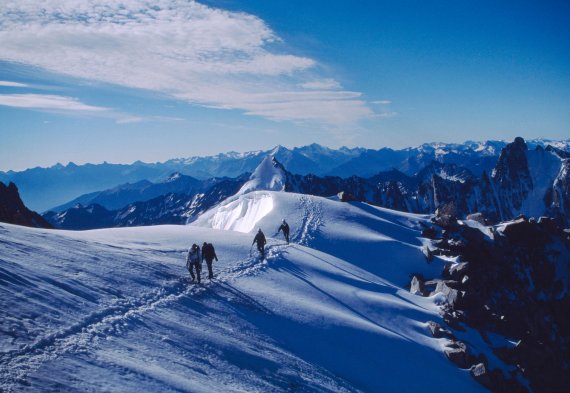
114 319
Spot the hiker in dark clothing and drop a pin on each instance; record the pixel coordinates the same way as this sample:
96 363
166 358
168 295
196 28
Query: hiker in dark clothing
260 240
209 254
285 228
193 261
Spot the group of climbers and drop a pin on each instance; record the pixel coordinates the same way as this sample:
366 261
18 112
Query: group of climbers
196 257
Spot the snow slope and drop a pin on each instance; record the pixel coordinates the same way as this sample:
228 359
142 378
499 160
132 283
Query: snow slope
113 310
269 175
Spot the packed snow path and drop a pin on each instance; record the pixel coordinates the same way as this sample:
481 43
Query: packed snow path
113 310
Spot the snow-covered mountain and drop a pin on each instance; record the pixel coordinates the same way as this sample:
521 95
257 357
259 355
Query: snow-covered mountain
529 182
144 190
113 309
44 188
532 182
269 175
169 208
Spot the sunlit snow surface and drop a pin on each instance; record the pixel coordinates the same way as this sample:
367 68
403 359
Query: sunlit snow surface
113 310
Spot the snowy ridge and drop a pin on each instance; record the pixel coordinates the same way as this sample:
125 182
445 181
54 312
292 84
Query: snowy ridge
111 309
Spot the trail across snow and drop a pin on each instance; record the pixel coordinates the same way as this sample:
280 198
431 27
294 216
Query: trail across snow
114 310
312 219
114 319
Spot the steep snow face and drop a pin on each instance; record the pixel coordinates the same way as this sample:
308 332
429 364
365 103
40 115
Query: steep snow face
269 175
560 200
242 214
544 167
112 310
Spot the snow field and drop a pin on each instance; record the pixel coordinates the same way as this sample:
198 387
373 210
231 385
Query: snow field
113 309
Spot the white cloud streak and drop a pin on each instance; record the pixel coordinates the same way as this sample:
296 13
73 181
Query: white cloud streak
325 84
12 84
48 102
181 48
73 106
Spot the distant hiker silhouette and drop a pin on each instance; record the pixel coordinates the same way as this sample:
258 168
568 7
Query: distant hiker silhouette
285 228
209 254
260 240
193 261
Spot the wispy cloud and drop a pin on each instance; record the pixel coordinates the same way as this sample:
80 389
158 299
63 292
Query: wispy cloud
73 106
324 84
384 112
130 119
12 84
48 102
181 48
387 114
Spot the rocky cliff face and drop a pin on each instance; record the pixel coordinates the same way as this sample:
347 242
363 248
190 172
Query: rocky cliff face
512 285
13 210
511 177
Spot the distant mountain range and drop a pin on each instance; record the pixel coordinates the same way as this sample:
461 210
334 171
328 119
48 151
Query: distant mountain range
144 190
169 208
533 182
49 188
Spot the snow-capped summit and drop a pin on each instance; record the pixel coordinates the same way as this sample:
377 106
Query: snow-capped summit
269 175
175 176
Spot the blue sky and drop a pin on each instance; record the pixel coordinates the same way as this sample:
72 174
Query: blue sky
152 80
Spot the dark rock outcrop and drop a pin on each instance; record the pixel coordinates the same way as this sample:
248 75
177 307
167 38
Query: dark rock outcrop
512 178
458 353
517 286
13 210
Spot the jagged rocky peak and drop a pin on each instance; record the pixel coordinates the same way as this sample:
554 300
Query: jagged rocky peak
269 175
512 177
512 161
13 210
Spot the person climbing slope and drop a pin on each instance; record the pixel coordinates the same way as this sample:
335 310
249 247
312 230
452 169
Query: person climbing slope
209 254
285 228
261 241
193 261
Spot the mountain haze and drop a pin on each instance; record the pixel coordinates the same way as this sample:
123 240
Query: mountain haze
523 181
46 188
